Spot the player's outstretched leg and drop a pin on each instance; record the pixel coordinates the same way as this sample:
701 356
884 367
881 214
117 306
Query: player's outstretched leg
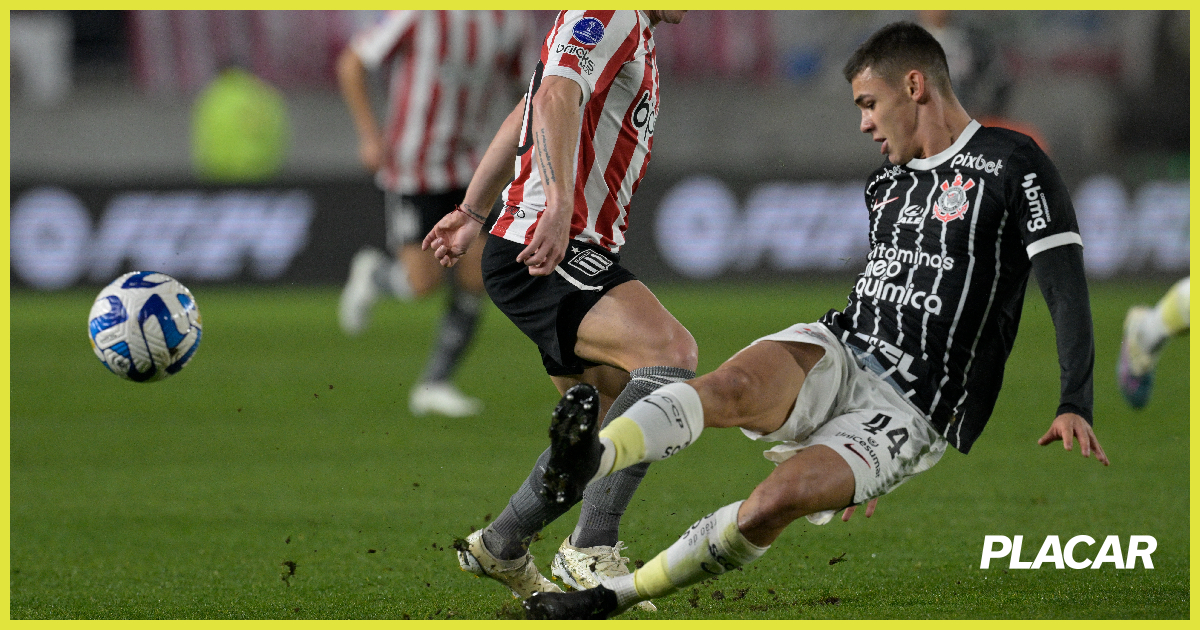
712 546
1146 331
575 449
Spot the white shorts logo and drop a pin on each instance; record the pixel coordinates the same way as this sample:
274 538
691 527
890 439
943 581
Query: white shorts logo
590 262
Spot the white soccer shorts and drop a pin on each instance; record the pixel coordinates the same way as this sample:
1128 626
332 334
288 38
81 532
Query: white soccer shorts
847 407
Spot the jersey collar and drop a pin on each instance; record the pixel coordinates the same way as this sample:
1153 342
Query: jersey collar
929 163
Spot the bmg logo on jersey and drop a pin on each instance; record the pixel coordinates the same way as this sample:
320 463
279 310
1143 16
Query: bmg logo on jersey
1054 553
1039 210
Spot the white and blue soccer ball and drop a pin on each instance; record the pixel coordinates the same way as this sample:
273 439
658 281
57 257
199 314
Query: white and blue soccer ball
144 326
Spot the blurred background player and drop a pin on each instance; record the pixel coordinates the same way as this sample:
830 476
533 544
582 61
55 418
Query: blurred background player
592 104
1147 330
444 68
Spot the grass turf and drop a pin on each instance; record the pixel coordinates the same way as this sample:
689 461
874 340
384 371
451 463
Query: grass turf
280 476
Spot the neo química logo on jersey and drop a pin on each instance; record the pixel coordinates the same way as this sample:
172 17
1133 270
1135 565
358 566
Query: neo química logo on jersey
1075 554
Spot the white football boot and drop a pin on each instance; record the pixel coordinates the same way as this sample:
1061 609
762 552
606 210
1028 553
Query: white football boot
360 292
443 399
520 575
584 568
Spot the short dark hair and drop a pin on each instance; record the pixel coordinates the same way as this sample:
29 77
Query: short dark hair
897 48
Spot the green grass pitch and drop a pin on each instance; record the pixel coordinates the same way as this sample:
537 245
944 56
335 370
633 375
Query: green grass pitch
280 476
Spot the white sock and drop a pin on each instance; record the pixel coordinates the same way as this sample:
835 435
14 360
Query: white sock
710 547
654 427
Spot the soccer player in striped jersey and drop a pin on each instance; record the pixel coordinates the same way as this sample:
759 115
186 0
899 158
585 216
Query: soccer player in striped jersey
443 68
578 144
871 395
1146 332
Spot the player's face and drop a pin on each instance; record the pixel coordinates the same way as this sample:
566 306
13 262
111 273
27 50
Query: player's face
889 114
670 17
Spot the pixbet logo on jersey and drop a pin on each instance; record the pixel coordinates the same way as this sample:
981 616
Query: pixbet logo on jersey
977 162
1052 552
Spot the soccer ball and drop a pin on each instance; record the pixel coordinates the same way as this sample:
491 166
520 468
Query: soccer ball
144 326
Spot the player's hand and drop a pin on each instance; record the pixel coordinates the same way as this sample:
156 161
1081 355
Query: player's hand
451 237
549 244
370 152
1070 426
869 511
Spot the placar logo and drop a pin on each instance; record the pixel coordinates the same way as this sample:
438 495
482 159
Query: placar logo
1064 556
952 203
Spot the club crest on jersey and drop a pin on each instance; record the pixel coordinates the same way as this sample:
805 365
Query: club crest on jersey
952 203
588 31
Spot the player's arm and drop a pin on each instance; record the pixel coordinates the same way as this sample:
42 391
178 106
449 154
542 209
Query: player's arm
1061 277
352 80
453 235
555 129
1046 217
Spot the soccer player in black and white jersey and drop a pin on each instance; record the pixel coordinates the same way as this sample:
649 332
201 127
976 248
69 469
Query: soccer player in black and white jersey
871 395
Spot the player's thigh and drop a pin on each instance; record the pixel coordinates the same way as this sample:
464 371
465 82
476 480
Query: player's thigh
884 444
608 381
630 329
757 388
467 272
423 270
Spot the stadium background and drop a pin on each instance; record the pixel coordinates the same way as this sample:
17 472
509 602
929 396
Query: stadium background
753 196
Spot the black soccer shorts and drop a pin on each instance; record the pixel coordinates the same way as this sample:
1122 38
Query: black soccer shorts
410 217
549 309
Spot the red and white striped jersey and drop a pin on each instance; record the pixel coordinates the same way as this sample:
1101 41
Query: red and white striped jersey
610 54
445 67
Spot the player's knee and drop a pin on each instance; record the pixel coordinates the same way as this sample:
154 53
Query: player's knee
730 392
423 283
681 349
664 344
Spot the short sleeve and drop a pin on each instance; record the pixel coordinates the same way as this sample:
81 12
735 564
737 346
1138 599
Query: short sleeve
374 45
1040 201
590 46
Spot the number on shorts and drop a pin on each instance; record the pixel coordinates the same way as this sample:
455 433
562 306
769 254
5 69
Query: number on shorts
898 438
876 424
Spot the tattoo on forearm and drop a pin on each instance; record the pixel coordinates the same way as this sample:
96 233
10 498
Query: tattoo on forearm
543 153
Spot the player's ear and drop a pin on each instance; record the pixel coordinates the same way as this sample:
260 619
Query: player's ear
915 86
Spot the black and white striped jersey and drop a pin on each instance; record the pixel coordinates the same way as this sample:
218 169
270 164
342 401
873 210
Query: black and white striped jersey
953 239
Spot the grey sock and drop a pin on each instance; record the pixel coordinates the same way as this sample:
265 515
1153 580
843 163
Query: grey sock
455 335
604 501
527 512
